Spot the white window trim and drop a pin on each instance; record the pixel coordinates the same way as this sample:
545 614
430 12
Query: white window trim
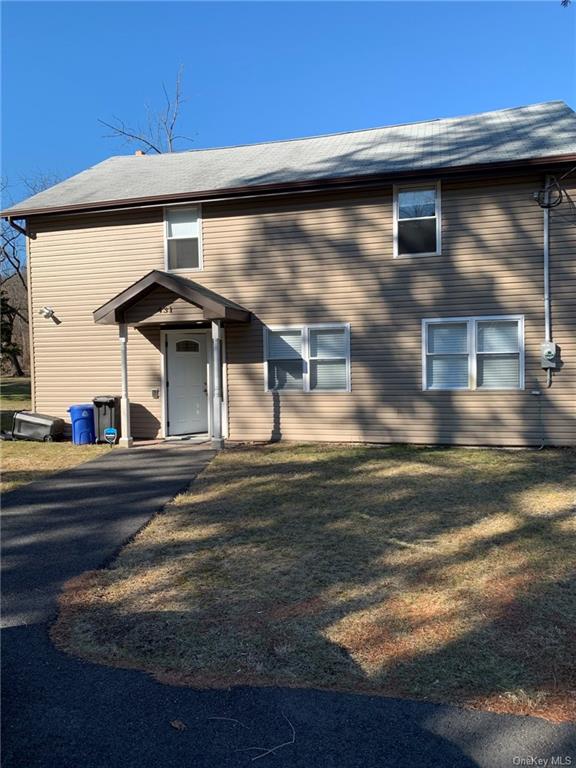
198 207
396 211
305 330
472 323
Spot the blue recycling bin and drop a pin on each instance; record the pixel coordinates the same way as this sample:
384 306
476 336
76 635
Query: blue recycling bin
82 418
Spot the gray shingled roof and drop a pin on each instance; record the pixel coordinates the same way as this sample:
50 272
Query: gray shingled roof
522 133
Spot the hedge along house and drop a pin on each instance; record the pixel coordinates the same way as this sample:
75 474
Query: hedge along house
388 285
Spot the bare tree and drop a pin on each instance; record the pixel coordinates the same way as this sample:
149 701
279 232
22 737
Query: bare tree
159 133
13 323
12 251
13 299
40 181
13 283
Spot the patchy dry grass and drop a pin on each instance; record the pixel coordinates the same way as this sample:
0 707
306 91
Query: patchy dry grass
444 574
23 461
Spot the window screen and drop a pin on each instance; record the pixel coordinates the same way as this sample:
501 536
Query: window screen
498 355
285 362
473 353
416 221
183 238
308 358
447 356
328 364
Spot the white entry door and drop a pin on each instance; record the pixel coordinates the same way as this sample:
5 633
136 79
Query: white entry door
186 383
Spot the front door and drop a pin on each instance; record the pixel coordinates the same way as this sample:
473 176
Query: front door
186 383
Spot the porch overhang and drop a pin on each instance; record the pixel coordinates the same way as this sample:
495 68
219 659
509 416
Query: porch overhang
213 306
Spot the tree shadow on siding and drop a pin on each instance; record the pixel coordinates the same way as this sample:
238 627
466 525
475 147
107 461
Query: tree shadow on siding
334 264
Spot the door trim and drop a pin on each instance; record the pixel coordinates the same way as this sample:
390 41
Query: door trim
164 393
163 371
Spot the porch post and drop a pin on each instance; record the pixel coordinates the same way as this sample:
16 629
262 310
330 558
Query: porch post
126 438
217 440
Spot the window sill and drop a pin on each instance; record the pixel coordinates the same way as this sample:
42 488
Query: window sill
309 391
416 255
482 390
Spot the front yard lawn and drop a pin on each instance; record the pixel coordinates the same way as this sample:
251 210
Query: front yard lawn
441 574
23 461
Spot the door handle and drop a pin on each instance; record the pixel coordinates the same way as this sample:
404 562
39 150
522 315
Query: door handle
205 388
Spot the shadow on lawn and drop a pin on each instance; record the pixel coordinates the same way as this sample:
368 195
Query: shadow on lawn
422 573
12 478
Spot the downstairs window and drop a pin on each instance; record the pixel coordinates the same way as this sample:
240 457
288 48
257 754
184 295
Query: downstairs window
473 353
311 358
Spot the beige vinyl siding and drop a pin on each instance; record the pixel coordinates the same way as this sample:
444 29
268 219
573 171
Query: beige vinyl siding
324 259
77 264
160 307
560 407
293 265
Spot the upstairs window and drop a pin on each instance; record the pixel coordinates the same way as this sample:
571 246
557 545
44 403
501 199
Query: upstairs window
313 358
473 353
183 241
417 220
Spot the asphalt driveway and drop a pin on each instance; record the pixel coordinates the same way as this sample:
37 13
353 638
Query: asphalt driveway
76 520
61 712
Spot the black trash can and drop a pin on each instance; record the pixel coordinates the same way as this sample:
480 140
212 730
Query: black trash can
106 414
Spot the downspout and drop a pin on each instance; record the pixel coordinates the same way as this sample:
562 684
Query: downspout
547 299
543 200
22 230
31 357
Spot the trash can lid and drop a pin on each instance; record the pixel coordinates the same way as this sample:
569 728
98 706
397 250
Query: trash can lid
107 399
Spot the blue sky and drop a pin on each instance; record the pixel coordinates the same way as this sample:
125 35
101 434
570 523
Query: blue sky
258 71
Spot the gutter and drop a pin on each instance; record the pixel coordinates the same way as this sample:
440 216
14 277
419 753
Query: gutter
18 228
316 185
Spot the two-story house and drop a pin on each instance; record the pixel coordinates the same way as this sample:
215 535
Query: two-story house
387 285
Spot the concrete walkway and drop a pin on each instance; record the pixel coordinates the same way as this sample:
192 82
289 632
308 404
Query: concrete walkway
61 712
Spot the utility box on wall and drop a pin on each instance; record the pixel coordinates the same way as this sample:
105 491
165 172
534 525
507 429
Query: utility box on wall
549 355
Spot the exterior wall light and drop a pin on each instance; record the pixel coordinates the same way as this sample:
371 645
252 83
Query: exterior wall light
49 314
